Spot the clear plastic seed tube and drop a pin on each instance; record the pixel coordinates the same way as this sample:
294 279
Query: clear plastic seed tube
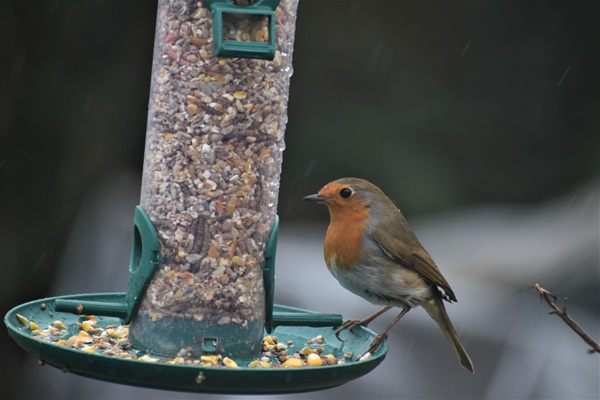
212 164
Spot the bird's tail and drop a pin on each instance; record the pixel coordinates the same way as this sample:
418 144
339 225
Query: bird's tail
436 309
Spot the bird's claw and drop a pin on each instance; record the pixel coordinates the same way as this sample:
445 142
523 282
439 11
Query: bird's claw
348 324
374 346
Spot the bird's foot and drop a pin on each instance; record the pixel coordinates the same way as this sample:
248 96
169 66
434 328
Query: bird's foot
374 346
350 324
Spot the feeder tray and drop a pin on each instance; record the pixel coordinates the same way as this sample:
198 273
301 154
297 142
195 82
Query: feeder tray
214 379
287 323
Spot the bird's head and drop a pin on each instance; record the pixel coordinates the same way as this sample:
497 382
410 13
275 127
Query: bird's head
349 196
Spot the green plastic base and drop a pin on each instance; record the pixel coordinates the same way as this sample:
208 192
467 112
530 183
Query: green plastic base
200 337
189 377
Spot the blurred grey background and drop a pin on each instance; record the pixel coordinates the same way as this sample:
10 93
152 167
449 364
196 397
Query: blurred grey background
480 118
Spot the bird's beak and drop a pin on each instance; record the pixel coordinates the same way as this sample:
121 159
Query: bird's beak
314 197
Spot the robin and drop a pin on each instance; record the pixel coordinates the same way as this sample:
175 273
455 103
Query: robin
371 250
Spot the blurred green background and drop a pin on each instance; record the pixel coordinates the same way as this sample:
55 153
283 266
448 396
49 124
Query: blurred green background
443 104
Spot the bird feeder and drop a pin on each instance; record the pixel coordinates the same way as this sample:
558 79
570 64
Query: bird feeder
199 299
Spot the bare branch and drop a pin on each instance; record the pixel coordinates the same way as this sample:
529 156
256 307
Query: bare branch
551 299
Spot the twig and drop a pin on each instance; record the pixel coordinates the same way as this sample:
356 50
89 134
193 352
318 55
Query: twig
562 313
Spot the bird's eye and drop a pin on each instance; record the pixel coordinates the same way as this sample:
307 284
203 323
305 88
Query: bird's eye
345 193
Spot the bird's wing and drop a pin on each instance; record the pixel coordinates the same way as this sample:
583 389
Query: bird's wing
409 253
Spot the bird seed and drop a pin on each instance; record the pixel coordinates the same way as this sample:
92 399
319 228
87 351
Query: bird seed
212 163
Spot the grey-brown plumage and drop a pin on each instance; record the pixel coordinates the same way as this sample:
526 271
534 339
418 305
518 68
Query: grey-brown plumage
371 250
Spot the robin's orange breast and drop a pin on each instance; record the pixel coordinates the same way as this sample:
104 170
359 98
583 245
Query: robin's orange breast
344 238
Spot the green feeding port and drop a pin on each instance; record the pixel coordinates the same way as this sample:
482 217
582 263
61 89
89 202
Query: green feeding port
145 256
251 47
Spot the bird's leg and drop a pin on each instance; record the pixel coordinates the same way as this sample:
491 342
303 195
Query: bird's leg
379 339
353 323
